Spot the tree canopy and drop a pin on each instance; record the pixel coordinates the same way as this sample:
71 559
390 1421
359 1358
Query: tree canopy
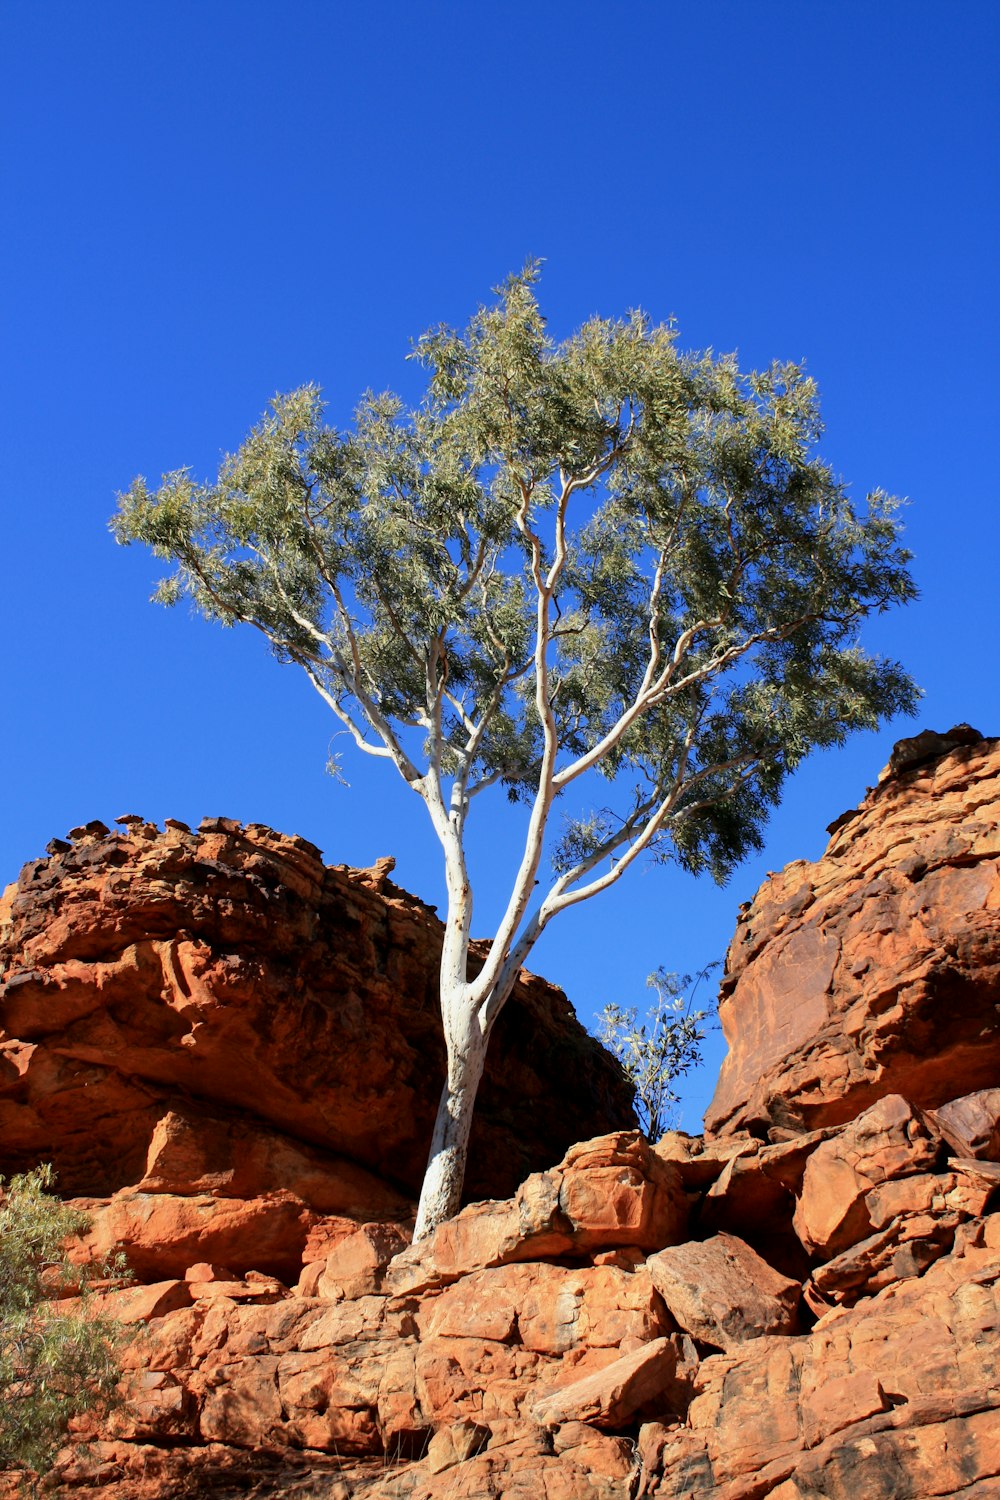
601 555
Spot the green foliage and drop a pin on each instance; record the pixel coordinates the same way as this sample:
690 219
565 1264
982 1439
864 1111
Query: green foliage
598 555
661 1048
53 1364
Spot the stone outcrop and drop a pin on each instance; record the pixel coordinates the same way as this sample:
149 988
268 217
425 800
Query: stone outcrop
875 970
220 1030
527 1349
803 1309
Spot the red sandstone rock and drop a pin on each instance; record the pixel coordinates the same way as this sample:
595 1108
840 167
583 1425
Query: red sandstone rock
898 1397
195 1153
287 1397
204 1270
701 1162
874 970
612 1191
610 1397
722 1293
889 1140
971 1125
549 1309
616 1191
525 1468
220 1012
755 1197
916 1220
266 1289
938 1194
545 1307
453 1445
162 1235
140 1304
357 1266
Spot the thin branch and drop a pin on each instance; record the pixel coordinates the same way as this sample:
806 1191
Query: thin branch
571 897
344 717
352 681
652 814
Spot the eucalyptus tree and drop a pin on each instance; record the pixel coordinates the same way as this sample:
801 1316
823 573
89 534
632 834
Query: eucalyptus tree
600 558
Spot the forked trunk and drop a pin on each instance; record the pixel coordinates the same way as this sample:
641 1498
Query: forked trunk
441 1193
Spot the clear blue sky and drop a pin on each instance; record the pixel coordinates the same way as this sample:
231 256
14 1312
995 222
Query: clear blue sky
207 202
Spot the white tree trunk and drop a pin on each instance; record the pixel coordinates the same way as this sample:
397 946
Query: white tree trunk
468 1011
441 1193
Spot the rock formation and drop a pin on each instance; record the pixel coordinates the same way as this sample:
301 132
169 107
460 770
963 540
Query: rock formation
876 969
218 1015
803 1304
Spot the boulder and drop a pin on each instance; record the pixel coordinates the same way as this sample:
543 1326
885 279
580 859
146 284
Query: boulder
609 1192
612 1396
453 1445
357 1265
971 1125
887 1141
722 1293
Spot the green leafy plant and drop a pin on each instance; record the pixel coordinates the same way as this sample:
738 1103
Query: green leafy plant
54 1363
662 1047
600 558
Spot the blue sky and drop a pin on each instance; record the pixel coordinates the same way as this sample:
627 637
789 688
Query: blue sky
206 203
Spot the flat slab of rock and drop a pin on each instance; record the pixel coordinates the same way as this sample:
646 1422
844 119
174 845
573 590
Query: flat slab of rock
611 1396
721 1292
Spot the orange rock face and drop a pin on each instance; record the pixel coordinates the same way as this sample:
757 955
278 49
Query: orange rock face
875 970
218 1013
722 1293
888 1140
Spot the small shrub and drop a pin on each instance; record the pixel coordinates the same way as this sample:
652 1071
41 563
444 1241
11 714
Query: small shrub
661 1048
54 1363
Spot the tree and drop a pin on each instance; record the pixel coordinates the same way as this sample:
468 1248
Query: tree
662 1047
54 1364
601 556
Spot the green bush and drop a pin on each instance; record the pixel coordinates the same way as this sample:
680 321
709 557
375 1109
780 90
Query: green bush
54 1363
662 1047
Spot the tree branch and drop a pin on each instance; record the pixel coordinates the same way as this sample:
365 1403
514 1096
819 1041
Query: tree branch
382 751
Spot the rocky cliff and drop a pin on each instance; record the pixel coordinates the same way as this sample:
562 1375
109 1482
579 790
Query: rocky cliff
875 970
803 1303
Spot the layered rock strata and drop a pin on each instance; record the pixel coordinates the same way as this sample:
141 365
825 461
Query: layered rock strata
217 1017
